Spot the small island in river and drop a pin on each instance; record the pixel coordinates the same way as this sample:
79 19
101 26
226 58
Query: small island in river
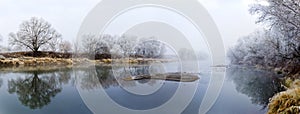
176 76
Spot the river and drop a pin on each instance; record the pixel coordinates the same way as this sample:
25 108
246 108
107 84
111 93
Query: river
100 89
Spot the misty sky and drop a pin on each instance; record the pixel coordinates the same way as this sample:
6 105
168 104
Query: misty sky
231 16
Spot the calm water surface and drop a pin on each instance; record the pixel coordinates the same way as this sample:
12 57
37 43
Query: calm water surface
64 91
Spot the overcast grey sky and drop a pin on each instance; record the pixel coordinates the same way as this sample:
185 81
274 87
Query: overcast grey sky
231 16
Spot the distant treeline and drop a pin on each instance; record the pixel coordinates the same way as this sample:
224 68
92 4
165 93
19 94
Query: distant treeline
38 36
119 46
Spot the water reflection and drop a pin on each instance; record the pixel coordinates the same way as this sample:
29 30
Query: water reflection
64 77
1 82
259 86
105 76
92 78
37 89
108 77
107 82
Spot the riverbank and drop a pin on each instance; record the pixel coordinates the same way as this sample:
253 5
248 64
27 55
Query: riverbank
48 58
288 101
46 61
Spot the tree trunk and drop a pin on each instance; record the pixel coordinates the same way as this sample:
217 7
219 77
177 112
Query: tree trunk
35 53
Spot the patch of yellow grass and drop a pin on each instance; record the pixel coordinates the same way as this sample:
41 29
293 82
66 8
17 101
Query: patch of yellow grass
289 83
295 84
287 102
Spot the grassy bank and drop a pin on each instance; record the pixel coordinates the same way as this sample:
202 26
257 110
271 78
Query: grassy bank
286 102
46 61
17 59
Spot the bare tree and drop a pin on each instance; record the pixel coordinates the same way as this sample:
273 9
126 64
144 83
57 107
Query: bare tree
89 43
34 34
65 46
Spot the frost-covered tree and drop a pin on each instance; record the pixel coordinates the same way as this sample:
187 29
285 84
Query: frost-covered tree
253 49
282 14
109 40
284 17
65 46
34 34
1 48
89 43
122 46
144 47
262 48
105 44
127 44
53 45
255 52
149 48
187 54
238 52
76 49
96 46
279 44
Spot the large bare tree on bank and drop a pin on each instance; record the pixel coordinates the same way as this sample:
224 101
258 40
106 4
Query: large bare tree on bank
34 34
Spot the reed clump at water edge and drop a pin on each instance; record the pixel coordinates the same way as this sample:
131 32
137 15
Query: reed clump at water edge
286 102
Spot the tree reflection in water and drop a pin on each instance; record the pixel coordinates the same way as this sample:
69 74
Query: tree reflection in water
64 76
1 82
106 77
89 78
35 91
259 86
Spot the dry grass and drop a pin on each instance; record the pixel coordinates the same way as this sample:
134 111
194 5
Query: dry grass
287 102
